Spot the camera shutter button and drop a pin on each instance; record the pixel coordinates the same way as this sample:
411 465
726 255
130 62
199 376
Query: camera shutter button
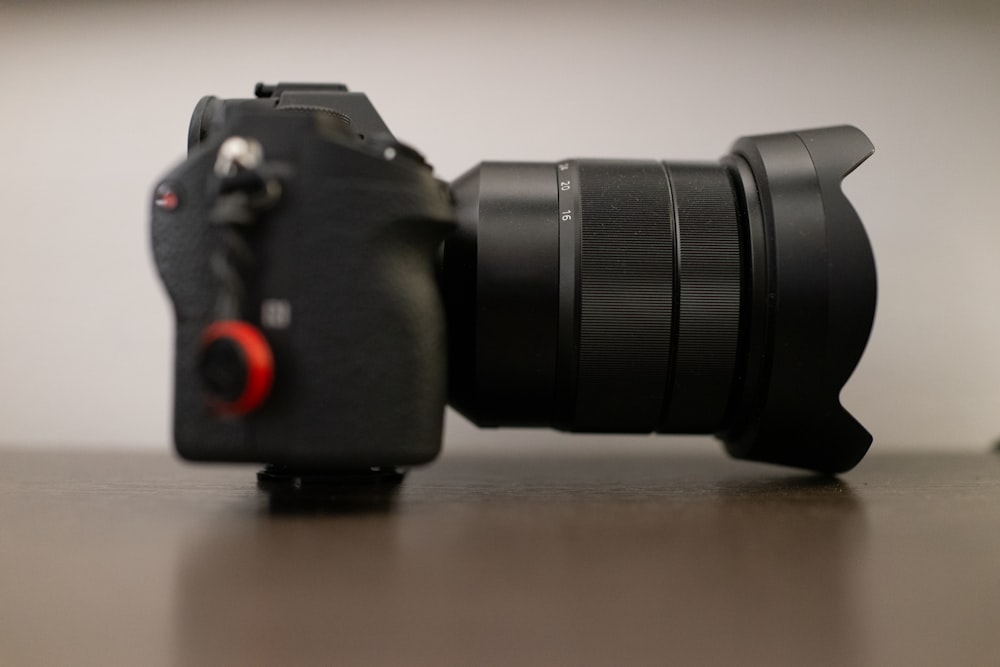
236 367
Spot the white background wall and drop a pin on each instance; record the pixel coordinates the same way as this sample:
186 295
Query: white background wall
97 95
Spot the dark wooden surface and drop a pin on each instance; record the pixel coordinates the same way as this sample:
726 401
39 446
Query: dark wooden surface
555 558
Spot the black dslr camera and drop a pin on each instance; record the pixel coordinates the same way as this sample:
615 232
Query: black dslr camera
331 294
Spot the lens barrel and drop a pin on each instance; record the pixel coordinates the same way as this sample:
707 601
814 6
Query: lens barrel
639 296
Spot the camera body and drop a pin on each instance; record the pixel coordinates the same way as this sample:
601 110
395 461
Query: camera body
324 299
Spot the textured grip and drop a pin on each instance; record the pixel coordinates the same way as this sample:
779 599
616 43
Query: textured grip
709 282
626 268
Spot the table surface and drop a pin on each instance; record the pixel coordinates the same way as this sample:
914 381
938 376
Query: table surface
548 558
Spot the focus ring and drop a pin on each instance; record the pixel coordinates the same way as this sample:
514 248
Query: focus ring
625 295
709 277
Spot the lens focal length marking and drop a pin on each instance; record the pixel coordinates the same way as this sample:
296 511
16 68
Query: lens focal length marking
567 178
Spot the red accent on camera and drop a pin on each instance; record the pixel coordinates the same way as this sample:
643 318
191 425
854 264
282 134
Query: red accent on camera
166 198
259 365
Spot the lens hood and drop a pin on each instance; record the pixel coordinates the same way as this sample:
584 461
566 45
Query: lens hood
812 300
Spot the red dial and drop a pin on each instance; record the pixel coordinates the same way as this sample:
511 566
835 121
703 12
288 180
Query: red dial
236 367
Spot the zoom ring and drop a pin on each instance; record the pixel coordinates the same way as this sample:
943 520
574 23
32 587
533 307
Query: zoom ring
625 295
708 310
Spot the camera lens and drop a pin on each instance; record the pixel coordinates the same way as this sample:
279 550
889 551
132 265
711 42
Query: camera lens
638 296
